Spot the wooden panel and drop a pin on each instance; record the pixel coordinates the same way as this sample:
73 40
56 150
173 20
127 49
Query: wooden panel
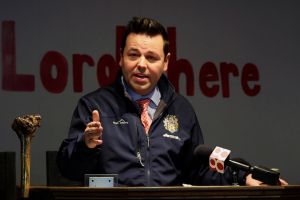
7 175
54 177
199 192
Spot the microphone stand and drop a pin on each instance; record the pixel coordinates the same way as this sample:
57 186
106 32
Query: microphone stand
235 174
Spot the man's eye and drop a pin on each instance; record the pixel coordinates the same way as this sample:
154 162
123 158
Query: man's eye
133 55
152 58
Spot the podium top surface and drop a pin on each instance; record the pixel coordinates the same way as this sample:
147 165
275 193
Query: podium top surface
194 192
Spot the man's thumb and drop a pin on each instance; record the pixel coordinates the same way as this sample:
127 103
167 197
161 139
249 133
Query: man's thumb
96 117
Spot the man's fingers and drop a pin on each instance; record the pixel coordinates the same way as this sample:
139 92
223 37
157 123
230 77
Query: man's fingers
92 142
93 131
96 141
283 182
96 117
94 124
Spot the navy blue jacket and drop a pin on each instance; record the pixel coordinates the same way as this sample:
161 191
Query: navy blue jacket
164 157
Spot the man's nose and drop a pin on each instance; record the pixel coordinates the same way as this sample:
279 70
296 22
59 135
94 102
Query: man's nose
142 62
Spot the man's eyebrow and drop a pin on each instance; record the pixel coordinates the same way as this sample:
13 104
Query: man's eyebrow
133 49
148 52
152 53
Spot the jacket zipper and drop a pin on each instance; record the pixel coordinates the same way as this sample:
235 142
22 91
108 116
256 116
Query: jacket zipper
148 173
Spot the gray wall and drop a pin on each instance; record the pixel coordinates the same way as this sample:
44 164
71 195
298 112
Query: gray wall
263 129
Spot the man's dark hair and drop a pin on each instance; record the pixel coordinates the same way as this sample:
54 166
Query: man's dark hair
151 27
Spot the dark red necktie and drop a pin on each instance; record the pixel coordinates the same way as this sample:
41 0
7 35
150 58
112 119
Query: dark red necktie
145 118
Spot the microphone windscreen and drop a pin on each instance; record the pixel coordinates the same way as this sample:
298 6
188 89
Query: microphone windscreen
218 158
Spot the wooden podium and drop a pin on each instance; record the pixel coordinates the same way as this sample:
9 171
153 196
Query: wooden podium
197 192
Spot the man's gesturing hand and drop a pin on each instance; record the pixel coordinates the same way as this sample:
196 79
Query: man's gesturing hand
93 131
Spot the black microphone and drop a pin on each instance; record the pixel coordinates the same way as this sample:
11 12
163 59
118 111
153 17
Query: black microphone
203 153
260 173
265 174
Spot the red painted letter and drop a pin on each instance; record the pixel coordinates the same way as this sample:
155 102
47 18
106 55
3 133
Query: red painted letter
225 70
78 61
54 59
250 73
12 81
177 67
209 73
107 70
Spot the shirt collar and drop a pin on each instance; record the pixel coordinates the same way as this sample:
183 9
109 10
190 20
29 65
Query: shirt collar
154 95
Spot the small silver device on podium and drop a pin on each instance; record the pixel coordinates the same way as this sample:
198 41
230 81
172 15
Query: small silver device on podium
101 180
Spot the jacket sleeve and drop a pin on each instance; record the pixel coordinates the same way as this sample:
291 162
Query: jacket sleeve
198 172
74 158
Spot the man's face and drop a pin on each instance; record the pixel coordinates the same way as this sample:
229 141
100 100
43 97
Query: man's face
143 62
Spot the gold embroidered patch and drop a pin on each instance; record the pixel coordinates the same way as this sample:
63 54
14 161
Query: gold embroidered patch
171 123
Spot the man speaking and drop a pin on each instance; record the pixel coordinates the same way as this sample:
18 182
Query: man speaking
138 127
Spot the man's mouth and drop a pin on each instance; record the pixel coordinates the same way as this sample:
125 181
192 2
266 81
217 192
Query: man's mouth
141 76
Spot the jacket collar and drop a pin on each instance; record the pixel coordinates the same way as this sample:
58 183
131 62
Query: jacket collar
165 87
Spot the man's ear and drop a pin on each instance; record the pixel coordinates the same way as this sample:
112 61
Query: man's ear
121 57
166 62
